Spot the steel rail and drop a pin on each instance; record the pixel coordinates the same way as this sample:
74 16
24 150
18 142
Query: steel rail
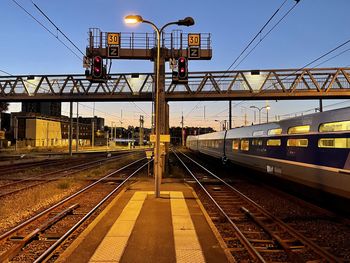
13 230
52 248
64 170
316 248
250 248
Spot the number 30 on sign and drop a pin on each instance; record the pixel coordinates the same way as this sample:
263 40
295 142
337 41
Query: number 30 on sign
194 40
113 39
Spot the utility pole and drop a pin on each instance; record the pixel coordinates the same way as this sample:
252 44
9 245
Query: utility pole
16 131
70 128
47 133
77 134
93 127
321 105
182 130
230 114
141 130
1 144
93 132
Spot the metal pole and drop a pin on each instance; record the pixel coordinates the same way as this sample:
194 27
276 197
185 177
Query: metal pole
1 143
77 134
70 128
107 142
141 131
158 168
230 114
47 133
16 131
267 115
93 127
160 105
259 116
321 106
93 132
182 130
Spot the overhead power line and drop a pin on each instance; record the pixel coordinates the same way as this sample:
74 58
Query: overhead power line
256 35
59 30
47 29
253 39
261 39
305 66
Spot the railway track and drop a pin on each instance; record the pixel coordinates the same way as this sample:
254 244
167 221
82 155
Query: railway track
19 167
251 232
36 239
51 163
32 181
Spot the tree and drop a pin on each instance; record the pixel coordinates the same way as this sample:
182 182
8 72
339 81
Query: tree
4 106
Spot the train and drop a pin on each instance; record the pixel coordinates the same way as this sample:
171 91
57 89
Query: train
312 150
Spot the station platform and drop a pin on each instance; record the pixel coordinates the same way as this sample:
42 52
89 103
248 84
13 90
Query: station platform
137 227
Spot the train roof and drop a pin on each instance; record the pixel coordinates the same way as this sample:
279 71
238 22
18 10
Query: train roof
313 119
212 136
316 119
254 130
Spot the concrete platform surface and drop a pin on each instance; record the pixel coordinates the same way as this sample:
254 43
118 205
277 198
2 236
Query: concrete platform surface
137 227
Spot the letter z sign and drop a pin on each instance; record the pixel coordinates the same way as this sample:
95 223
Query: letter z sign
113 51
193 52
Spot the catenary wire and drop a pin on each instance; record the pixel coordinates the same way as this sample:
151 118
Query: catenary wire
48 30
253 39
57 28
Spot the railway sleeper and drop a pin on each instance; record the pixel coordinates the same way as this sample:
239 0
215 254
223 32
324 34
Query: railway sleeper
13 251
50 237
236 249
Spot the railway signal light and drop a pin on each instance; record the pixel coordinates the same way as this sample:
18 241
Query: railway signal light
182 68
97 67
181 75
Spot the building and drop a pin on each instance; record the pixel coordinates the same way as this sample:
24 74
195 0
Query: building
37 130
48 108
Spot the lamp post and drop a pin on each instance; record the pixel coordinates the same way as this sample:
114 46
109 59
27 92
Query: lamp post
267 107
134 19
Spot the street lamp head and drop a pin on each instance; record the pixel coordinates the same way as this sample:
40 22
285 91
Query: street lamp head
133 19
188 21
268 107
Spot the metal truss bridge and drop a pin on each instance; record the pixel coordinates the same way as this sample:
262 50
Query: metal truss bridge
281 84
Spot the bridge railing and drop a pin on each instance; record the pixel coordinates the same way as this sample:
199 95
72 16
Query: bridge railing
215 85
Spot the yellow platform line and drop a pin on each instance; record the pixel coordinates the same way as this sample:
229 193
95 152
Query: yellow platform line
113 245
187 246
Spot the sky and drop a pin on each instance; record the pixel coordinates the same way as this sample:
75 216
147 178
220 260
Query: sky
311 29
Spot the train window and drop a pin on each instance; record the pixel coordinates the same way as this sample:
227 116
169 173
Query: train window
258 133
334 143
335 126
299 129
298 142
273 142
235 144
274 131
245 145
257 142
